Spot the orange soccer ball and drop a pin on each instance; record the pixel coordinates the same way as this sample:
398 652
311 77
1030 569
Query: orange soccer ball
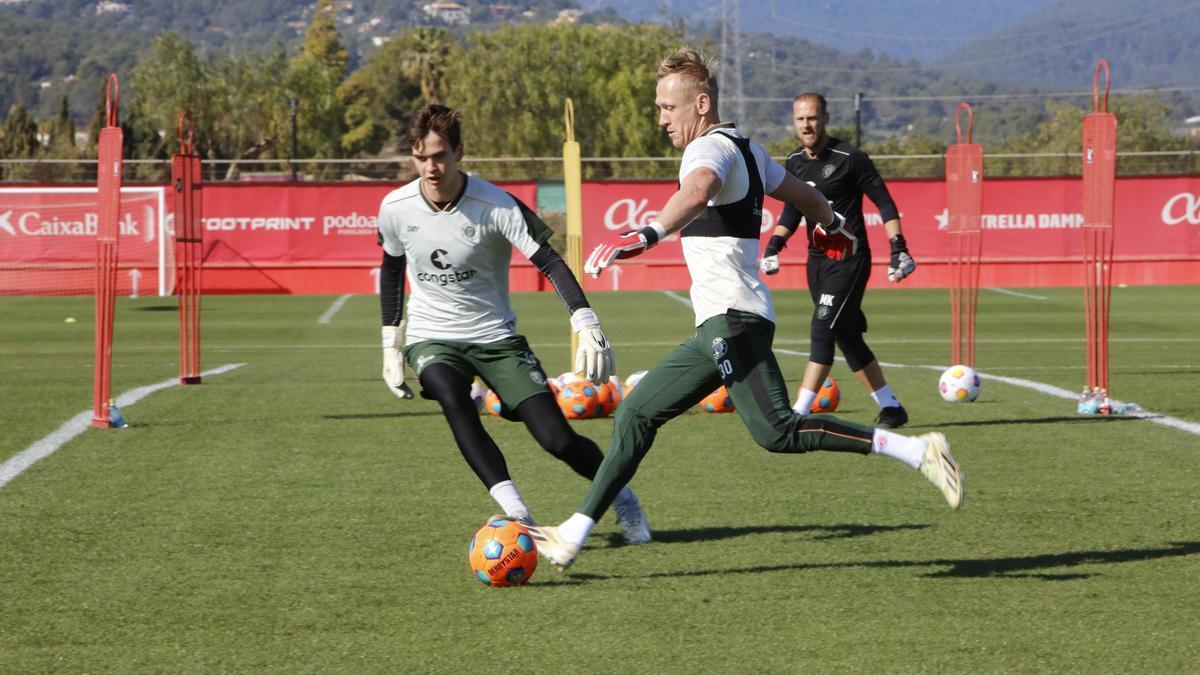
502 553
827 398
717 402
611 394
492 403
580 400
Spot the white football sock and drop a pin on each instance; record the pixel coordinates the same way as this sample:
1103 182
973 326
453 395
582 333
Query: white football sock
506 495
804 403
576 528
907 449
885 398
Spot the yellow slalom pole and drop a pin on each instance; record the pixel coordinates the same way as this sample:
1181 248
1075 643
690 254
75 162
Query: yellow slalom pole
573 186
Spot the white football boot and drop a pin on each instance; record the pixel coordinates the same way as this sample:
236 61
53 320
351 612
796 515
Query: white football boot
634 526
552 546
938 465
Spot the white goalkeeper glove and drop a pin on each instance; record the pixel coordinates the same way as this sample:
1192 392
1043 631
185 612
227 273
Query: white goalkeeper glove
594 358
901 263
769 264
770 260
393 361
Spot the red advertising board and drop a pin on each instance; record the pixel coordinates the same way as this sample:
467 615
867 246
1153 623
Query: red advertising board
48 240
299 238
305 238
289 238
1031 232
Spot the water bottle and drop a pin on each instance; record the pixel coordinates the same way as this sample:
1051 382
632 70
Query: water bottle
115 419
1085 403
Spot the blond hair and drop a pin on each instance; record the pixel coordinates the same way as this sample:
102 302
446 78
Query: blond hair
816 99
692 67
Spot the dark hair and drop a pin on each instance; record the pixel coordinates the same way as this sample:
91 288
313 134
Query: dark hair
699 72
443 121
822 107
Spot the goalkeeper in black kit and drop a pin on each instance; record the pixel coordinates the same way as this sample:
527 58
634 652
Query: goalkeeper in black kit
839 266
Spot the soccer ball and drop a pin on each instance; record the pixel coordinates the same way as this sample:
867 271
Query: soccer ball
610 394
959 384
580 400
717 402
502 553
828 396
618 386
492 403
478 392
632 380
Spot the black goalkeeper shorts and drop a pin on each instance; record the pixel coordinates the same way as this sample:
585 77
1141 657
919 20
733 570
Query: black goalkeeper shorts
837 288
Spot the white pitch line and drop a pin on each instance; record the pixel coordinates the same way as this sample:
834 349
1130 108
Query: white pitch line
677 298
791 352
1014 293
1172 422
80 423
1059 392
333 309
1042 388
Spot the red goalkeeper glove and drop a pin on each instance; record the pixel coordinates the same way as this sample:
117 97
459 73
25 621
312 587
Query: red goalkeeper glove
631 243
835 240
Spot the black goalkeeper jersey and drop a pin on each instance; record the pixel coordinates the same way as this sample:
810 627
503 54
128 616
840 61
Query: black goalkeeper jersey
842 173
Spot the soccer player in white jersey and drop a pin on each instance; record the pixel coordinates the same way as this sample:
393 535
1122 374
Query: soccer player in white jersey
452 237
718 212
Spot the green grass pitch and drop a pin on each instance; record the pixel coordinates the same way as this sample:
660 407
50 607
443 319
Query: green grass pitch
292 516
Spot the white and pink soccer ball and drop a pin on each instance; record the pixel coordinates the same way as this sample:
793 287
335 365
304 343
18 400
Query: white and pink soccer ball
632 380
478 392
959 384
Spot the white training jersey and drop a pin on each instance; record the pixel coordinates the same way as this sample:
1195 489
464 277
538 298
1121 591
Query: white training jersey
457 259
724 269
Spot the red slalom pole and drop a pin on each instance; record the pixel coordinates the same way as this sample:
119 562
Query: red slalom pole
1099 145
186 184
964 210
108 186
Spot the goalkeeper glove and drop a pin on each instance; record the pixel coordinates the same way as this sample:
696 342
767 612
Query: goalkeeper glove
393 361
630 244
834 239
770 260
594 358
901 264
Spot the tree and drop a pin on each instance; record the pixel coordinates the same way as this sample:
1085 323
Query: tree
18 140
321 42
311 83
174 79
1143 124
511 85
62 132
19 134
381 97
919 145
251 108
239 104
